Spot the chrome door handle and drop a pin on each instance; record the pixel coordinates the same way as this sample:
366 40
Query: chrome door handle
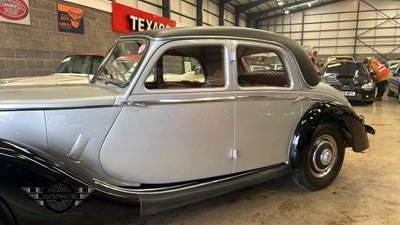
137 104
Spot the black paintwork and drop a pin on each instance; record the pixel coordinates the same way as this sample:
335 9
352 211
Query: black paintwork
303 60
352 125
21 166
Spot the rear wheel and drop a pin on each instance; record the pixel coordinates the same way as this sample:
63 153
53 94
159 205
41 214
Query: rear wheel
322 159
6 217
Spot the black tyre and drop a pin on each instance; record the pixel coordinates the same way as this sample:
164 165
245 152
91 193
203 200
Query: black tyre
322 159
6 217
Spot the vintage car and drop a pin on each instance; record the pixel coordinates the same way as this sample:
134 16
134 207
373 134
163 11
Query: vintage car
134 139
351 78
74 69
393 85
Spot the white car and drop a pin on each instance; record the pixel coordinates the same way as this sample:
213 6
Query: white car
74 69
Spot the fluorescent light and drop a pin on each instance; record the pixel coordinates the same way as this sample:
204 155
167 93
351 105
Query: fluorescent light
306 3
280 3
286 11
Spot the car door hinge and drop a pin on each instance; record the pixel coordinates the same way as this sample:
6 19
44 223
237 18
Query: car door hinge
234 153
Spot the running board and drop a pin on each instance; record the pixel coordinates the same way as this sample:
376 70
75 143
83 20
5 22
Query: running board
152 203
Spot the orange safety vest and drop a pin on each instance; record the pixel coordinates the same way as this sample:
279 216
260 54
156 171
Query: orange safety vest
381 68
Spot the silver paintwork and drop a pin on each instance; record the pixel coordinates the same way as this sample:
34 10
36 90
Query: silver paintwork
53 79
132 135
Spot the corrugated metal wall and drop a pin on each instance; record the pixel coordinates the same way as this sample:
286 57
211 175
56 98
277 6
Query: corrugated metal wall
355 27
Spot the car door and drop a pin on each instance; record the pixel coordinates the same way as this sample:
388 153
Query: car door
177 124
266 112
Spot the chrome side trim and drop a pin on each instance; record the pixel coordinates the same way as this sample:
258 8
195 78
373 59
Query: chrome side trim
174 188
177 101
218 99
6 109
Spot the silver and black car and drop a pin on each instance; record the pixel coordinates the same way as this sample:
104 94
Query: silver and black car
173 116
351 78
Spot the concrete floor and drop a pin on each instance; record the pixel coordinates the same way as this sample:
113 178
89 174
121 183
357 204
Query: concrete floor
367 190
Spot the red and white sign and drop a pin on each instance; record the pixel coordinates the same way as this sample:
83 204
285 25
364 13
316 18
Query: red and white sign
15 11
128 20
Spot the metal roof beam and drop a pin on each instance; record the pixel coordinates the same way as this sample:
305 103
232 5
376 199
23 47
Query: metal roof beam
166 9
224 1
263 13
199 13
247 6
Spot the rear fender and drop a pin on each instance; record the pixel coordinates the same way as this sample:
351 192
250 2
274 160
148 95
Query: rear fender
351 125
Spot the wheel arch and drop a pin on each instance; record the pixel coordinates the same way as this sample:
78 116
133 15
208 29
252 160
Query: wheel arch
351 126
5 208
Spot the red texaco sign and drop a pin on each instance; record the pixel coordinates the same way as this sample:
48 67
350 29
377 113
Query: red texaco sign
128 20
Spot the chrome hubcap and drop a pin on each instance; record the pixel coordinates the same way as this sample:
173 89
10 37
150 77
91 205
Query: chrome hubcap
324 156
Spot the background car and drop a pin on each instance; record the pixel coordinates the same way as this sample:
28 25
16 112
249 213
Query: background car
73 69
259 68
338 57
393 85
393 65
351 78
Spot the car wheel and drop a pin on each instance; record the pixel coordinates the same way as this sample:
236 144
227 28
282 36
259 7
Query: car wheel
6 217
322 159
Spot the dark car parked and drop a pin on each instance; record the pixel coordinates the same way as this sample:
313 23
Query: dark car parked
393 87
352 79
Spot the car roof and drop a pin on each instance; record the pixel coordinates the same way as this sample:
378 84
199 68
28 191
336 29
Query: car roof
304 62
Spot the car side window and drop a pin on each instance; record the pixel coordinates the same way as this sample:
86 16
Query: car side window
188 67
259 67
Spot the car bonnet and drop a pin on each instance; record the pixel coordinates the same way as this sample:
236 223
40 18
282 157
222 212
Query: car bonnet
34 97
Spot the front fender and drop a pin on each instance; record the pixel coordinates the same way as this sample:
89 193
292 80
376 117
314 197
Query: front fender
28 181
352 126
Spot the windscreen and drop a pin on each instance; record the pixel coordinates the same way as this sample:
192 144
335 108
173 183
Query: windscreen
345 69
122 62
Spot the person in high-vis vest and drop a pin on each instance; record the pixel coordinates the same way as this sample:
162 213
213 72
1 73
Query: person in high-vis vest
382 75
313 56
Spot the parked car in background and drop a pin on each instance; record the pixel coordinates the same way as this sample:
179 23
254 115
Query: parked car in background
259 68
143 135
74 69
393 65
393 85
351 78
338 57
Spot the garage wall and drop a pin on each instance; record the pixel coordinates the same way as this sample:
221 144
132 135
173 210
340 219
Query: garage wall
37 49
184 11
358 28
